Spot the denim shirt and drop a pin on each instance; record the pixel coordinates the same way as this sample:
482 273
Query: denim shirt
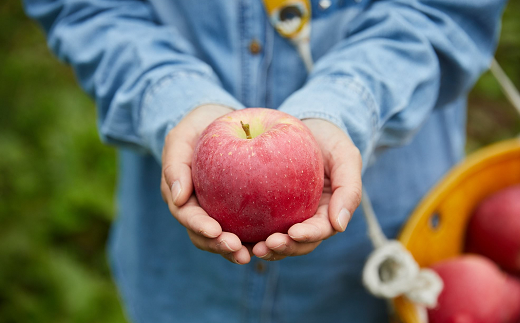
393 75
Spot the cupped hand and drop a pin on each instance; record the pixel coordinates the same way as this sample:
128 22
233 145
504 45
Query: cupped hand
341 196
177 186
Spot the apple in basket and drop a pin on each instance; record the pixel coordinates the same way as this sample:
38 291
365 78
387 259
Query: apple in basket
494 229
475 291
257 171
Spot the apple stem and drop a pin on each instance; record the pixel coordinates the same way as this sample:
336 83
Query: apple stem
246 129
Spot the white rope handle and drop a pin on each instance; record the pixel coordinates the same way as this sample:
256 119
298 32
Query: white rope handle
506 85
375 233
390 270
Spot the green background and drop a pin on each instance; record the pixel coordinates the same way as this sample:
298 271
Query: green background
57 180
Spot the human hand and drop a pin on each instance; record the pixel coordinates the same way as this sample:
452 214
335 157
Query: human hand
177 186
341 196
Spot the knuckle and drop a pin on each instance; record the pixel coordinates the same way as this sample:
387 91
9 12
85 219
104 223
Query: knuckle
291 249
215 248
317 230
220 246
194 223
167 172
292 252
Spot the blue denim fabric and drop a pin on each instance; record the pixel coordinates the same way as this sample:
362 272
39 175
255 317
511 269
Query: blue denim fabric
392 74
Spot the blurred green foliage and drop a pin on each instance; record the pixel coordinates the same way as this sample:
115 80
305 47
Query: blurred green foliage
490 116
56 187
57 180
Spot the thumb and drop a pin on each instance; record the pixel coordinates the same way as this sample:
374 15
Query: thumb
176 160
342 163
345 177
178 150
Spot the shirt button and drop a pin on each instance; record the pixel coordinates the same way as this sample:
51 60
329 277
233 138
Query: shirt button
324 4
255 47
260 267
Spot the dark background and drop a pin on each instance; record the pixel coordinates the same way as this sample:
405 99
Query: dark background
57 180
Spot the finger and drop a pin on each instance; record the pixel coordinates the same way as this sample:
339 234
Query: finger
278 246
226 243
314 229
345 176
262 251
240 257
194 218
176 160
281 244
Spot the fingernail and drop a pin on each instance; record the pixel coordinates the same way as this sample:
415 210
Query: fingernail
234 260
294 237
343 218
281 247
224 242
267 255
176 191
300 236
207 235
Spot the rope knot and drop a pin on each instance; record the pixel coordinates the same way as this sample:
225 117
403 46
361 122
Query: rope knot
391 271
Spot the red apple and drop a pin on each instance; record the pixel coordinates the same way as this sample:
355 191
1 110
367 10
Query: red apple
475 291
262 185
512 300
494 229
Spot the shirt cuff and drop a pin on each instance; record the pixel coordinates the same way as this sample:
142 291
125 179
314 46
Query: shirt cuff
170 99
342 101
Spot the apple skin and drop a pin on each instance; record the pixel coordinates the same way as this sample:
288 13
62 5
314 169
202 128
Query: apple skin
512 300
475 291
256 187
494 229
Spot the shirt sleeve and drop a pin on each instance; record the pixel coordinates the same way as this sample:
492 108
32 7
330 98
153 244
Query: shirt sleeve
143 75
400 60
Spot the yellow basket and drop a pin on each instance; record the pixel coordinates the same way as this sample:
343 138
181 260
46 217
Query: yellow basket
436 229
